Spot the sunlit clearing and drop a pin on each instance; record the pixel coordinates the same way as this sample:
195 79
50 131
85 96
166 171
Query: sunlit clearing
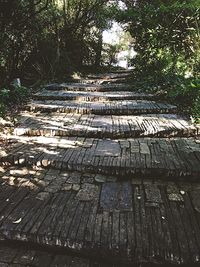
119 44
112 36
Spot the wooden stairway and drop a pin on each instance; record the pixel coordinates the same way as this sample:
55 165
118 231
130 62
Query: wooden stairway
102 171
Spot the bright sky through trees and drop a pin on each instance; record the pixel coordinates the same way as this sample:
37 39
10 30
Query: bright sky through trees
113 37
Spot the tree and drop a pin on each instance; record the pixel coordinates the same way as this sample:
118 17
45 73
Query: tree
44 39
166 34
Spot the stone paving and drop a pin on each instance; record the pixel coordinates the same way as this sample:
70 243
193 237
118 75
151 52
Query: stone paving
109 185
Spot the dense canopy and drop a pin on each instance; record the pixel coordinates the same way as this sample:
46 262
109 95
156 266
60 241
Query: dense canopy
48 39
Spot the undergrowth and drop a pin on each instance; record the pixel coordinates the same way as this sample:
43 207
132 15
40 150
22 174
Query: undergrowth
185 92
12 96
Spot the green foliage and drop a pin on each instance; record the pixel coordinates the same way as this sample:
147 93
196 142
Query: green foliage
19 93
5 95
166 35
187 92
166 38
109 54
14 95
43 40
186 88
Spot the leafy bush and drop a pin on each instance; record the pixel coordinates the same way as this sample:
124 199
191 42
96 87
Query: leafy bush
19 93
12 95
166 39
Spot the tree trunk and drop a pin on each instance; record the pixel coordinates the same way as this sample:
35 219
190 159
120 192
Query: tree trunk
99 49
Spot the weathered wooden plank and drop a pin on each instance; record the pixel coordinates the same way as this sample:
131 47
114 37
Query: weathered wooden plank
89 230
105 232
10 204
167 240
68 219
62 217
76 221
182 238
191 240
193 215
115 230
138 227
157 233
112 126
43 215
14 221
98 229
28 220
131 243
175 251
83 223
143 221
123 237
150 246
50 221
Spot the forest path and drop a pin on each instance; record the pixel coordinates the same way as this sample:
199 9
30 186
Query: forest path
104 171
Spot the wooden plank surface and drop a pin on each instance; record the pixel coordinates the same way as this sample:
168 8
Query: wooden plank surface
129 107
151 156
91 96
81 176
133 221
152 125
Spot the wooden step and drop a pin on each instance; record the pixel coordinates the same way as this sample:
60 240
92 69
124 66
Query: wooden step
108 76
131 107
95 80
91 96
159 157
105 80
89 87
125 222
95 126
114 197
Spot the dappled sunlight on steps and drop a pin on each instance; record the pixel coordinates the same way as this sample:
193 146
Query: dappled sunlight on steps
110 126
100 170
144 156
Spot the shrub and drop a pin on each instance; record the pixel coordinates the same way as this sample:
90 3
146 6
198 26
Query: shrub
12 95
